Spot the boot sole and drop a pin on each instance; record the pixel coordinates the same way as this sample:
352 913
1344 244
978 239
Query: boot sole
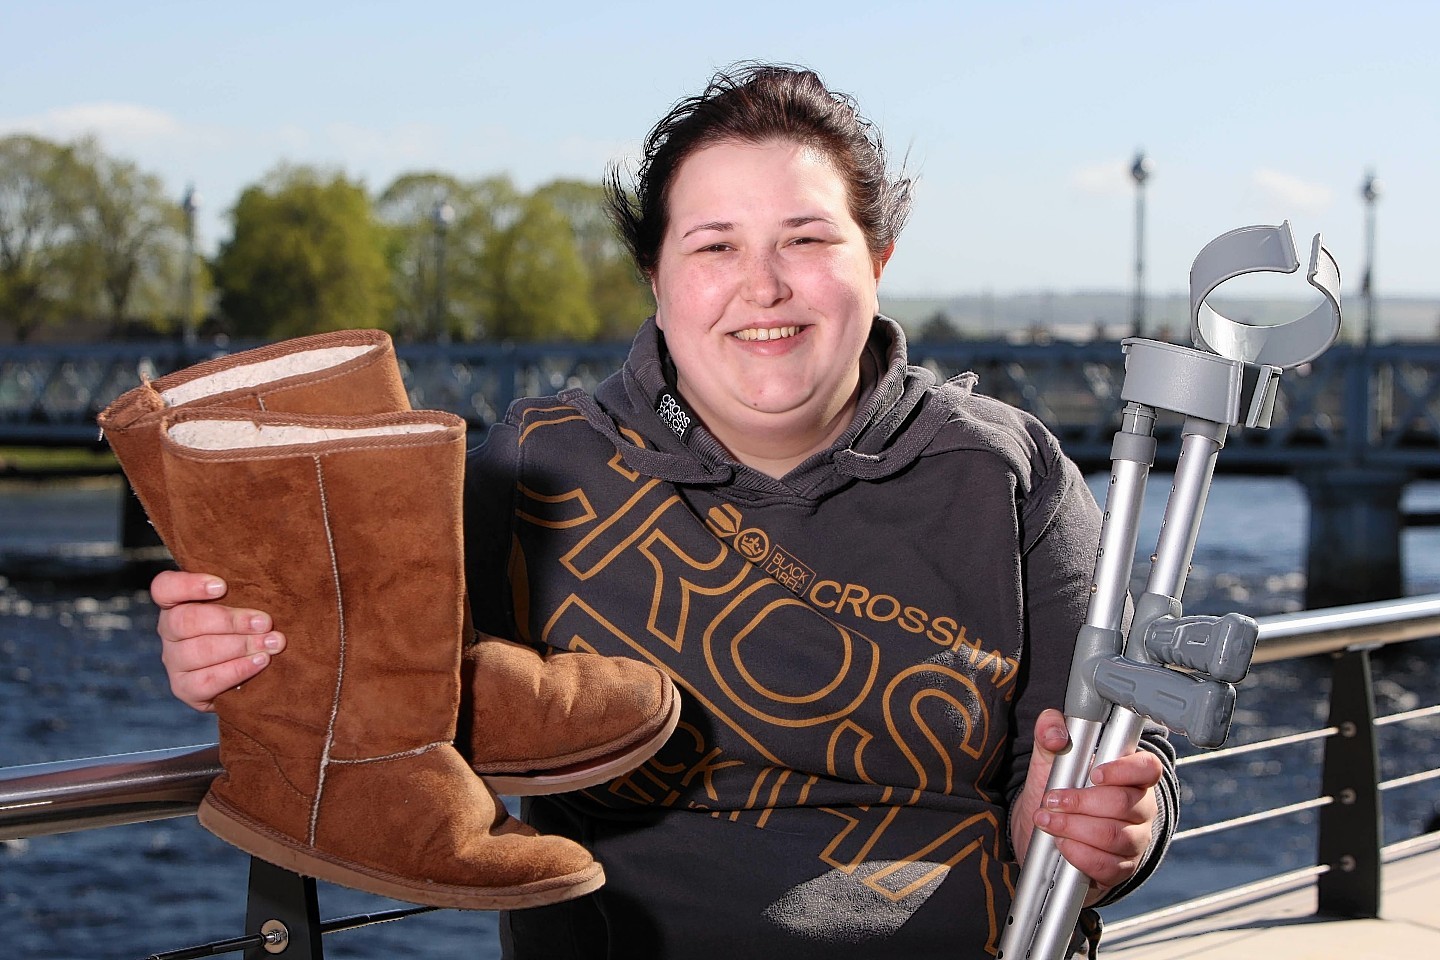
588 773
260 841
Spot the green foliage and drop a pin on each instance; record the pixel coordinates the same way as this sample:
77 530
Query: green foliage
89 238
307 255
620 297
408 209
83 234
541 284
128 247
34 231
543 266
436 266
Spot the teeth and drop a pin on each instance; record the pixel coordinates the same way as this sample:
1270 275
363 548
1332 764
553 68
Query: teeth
771 333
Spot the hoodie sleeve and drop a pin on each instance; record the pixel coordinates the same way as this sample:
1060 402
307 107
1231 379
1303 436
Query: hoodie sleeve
1060 528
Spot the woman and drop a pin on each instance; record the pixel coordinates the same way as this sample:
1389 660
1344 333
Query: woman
866 584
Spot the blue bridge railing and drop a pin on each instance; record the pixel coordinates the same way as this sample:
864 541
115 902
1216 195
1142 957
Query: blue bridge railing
1377 408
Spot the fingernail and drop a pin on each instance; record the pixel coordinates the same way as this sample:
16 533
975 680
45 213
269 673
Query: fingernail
258 623
1097 775
1042 819
260 659
1053 801
272 642
214 588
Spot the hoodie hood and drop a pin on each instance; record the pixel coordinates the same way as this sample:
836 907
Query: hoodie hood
642 413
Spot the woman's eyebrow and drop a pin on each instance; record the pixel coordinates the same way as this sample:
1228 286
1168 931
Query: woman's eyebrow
789 223
712 225
793 222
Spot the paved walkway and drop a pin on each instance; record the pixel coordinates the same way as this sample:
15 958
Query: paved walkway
1284 927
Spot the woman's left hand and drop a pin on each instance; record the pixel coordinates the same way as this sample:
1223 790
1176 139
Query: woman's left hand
1104 829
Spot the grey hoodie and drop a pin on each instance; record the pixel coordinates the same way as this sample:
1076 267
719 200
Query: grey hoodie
862 646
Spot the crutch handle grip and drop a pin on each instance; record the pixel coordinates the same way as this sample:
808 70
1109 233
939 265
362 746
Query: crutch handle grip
1219 647
1196 708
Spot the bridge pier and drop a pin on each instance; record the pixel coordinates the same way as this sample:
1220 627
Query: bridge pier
1355 531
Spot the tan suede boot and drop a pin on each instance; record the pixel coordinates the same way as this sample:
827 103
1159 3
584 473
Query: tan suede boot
540 725
569 720
342 765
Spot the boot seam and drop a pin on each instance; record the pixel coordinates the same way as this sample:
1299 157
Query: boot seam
325 760
400 755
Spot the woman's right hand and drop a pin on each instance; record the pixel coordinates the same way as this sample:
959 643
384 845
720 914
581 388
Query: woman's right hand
207 647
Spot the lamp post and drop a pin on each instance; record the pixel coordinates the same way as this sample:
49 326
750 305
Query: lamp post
442 217
1139 172
189 205
1369 192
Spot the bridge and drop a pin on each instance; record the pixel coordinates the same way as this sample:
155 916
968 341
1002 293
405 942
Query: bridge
1354 427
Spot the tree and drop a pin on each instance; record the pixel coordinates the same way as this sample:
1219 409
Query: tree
541 285
127 246
307 255
620 297
408 208
419 247
34 231
938 328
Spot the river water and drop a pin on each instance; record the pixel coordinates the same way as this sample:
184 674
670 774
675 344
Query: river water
79 676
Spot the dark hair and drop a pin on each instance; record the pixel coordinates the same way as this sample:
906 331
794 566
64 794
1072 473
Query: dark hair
755 103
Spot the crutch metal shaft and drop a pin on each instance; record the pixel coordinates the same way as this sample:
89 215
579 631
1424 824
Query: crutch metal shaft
1170 565
1133 454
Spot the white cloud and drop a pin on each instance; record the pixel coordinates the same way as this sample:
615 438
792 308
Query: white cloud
1289 192
128 122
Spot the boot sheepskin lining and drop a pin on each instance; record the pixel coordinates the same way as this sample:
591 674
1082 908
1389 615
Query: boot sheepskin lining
266 371
242 434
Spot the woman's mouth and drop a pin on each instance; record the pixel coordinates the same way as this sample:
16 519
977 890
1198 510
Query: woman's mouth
766 333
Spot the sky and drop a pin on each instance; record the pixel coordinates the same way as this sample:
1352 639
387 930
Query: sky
1020 119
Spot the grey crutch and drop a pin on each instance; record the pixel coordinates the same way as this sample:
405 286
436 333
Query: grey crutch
1228 378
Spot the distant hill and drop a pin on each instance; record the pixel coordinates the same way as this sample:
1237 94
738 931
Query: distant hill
1081 316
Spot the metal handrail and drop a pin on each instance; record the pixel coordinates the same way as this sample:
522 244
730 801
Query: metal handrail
71 795
1348 882
1287 636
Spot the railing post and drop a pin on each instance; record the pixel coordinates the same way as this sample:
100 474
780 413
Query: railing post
1350 827
284 907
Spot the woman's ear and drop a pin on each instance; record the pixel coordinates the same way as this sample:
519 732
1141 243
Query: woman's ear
880 261
655 294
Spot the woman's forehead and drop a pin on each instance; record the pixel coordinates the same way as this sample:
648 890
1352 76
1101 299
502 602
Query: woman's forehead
756 177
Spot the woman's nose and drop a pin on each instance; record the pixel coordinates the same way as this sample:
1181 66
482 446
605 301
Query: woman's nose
764 279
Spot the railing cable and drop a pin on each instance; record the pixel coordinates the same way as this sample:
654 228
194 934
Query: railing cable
1257 746
1258 817
236 944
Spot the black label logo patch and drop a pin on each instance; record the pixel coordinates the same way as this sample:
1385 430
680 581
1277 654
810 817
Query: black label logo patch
675 415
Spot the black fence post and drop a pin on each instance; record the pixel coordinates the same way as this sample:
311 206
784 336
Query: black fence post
284 908
1350 827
